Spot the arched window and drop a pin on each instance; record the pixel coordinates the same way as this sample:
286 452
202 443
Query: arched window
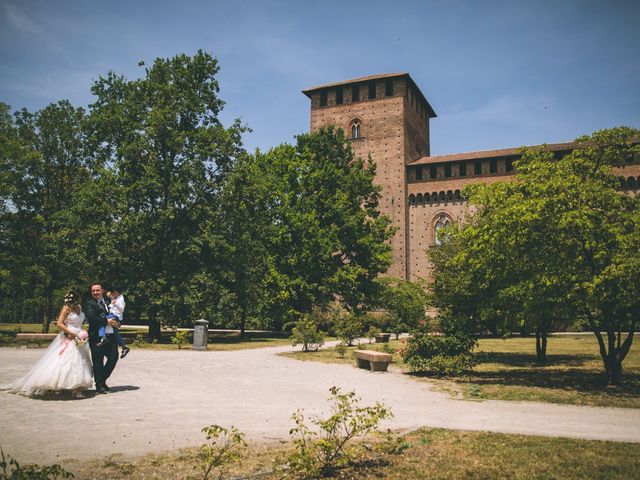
355 130
427 197
412 199
457 195
419 199
441 222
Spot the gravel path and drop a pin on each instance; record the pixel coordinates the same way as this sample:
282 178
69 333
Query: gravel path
160 400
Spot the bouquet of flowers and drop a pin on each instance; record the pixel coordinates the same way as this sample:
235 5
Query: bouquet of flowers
81 338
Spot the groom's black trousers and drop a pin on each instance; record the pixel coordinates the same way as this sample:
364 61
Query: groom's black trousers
102 370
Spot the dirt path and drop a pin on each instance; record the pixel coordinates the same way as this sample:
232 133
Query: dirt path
160 400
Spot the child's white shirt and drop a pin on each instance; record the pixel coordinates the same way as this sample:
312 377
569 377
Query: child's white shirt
117 308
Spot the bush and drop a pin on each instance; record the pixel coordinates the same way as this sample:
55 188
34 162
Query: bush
321 450
222 450
439 354
348 328
341 349
372 332
12 470
306 333
181 338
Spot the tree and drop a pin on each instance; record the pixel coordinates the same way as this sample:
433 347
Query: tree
405 303
165 154
329 239
560 240
44 167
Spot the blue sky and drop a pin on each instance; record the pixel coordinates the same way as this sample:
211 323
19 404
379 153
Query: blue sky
498 73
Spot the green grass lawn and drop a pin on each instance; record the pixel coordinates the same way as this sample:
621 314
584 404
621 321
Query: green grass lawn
431 453
508 370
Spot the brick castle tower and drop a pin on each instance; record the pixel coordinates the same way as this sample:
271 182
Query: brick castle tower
385 116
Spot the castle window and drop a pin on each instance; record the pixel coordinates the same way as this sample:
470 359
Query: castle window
339 96
447 170
388 88
418 173
323 98
462 169
355 130
441 223
355 93
493 165
508 165
477 167
372 90
433 171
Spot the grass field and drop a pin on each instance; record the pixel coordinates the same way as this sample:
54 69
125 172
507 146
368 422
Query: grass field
431 453
508 370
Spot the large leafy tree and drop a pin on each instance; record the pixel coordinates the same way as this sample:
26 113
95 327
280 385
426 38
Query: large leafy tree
164 152
44 167
301 229
405 303
330 239
558 242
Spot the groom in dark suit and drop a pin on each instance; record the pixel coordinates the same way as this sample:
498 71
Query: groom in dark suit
96 312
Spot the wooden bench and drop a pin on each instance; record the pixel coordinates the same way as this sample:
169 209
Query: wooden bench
375 361
36 338
383 337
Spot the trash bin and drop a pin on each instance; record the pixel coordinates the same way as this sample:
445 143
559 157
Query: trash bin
200 332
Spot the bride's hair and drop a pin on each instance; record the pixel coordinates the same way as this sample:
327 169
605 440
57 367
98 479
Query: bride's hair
72 297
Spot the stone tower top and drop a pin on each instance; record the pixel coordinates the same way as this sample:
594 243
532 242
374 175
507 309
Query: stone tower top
366 88
386 118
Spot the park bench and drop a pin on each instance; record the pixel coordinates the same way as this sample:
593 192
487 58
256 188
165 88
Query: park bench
383 337
35 338
375 361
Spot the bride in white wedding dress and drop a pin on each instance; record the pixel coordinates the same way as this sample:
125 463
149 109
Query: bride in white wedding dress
66 364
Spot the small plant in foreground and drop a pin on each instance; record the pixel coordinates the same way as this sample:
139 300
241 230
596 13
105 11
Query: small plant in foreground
30 472
222 451
321 453
181 338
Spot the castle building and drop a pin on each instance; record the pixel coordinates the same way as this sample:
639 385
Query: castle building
387 117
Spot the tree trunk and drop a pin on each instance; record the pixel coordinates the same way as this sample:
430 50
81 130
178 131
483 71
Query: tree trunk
243 323
46 317
541 345
154 324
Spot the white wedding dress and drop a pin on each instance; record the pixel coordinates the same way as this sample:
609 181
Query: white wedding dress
64 366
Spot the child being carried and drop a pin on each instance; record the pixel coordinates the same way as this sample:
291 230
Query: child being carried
116 312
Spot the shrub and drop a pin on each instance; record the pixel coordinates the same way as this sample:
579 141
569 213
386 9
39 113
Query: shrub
341 349
348 328
372 332
181 338
222 450
139 341
321 451
387 348
439 354
30 472
306 333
